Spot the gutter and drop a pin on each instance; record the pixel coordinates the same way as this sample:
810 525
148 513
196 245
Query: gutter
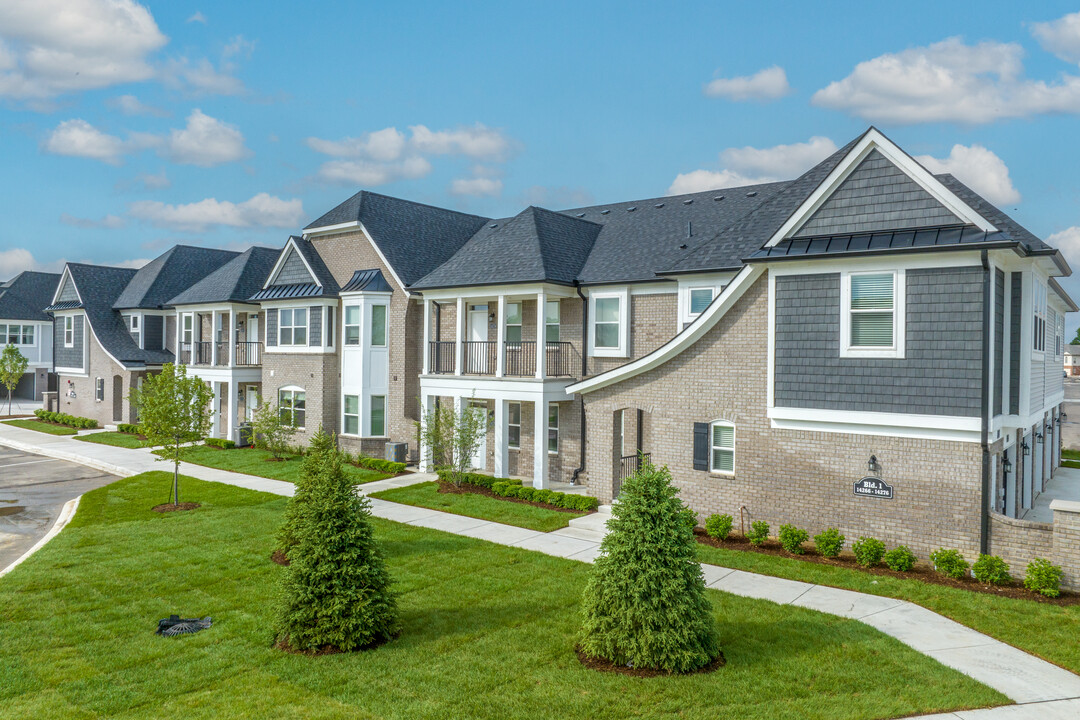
584 372
984 511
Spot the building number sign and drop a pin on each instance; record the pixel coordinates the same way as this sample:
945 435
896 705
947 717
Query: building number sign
873 487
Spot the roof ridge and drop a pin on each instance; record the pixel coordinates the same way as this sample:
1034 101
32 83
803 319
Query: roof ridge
681 196
421 204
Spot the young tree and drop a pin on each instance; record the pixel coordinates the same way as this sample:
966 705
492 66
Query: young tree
174 412
452 439
335 594
644 604
289 534
12 367
271 431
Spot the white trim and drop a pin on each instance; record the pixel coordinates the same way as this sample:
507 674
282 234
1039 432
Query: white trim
918 261
382 258
329 229
939 427
899 312
623 348
291 243
56 293
870 141
680 342
489 293
713 448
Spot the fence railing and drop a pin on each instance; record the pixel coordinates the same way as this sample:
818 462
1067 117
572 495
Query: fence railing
628 466
478 357
441 357
222 350
249 353
202 352
560 359
520 359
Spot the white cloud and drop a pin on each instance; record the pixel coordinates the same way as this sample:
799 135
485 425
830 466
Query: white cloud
133 264
980 169
476 187
768 84
131 105
386 155
58 46
200 77
15 261
263 210
1061 36
948 81
1068 242
109 222
153 181
205 142
750 166
78 138
198 17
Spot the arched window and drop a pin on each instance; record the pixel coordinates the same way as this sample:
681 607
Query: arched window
292 405
722 447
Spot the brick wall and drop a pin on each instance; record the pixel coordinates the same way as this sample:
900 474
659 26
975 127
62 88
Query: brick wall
1018 541
318 375
653 320
85 404
1066 549
783 476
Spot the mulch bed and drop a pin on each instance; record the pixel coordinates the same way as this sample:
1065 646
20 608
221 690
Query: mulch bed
602 665
467 489
173 507
280 558
921 571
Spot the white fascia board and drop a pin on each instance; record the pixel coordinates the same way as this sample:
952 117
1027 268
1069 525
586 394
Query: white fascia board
516 390
299 350
354 225
512 292
291 244
298 302
212 307
920 261
874 140
66 275
331 229
693 332
937 427
225 374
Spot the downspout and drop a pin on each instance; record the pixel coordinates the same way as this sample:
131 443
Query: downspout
584 373
984 514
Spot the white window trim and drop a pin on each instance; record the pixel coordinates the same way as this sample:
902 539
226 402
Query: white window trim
689 291
293 389
99 389
370 408
899 316
69 330
346 325
511 424
1039 284
358 415
306 326
624 325
519 324
386 325
558 432
712 470
557 324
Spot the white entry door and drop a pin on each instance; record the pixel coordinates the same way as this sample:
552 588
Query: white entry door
479 458
477 358
251 401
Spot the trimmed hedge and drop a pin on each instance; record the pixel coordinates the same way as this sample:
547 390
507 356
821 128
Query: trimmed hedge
1043 577
72 421
868 551
128 428
718 526
792 538
949 563
380 465
506 487
900 559
992 570
220 443
829 543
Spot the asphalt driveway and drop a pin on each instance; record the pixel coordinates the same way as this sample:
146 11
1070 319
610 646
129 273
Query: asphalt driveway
33 490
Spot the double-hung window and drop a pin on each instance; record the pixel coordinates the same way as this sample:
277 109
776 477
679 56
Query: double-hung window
292 326
292 406
99 389
378 326
351 424
551 321
722 446
699 300
352 324
69 331
27 334
1038 306
378 415
513 425
513 323
608 317
872 314
553 428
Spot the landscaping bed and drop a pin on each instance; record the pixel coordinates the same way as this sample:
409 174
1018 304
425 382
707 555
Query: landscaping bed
252 461
79 618
922 572
43 427
447 487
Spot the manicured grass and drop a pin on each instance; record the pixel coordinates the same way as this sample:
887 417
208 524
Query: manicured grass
1070 454
117 439
488 632
251 461
1049 631
42 427
479 506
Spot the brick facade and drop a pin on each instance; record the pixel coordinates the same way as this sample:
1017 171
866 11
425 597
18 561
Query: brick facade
85 402
652 323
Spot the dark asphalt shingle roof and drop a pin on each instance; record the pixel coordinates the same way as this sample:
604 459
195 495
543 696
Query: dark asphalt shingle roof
235 281
413 237
535 245
166 276
25 296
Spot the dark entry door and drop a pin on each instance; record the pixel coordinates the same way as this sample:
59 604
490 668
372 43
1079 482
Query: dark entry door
117 398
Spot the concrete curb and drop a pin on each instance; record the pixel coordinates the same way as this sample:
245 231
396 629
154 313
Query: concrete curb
66 513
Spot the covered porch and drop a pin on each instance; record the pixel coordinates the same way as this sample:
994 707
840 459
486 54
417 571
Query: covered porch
1064 485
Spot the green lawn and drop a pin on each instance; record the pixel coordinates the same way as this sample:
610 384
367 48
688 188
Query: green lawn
1049 631
251 461
117 439
42 427
488 632
479 506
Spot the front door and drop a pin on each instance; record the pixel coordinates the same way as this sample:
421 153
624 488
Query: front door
253 328
251 401
479 458
476 355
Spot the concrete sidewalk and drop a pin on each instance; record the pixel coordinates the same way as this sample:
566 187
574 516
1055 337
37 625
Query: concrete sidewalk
1041 689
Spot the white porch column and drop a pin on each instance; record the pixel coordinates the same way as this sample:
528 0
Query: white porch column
459 337
234 408
215 406
426 347
230 338
541 343
213 336
502 445
540 450
427 404
500 353
179 334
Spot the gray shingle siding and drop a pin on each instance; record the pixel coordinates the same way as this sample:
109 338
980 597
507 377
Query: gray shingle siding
877 195
939 374
293 271
68 292
71 357
999 335
1014 343
271 327
315 325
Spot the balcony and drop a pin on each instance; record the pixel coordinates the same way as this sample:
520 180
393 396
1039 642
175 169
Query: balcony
480 357
248 354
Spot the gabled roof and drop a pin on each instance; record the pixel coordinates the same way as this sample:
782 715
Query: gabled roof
412 238
235 281
367 281
315 270
171 273
537 245
26 296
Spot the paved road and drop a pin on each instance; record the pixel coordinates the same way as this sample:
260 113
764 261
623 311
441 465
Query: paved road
33 489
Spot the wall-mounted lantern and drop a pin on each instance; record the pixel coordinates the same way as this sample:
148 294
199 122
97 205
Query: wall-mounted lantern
1038 437
1025 448
872 465
1006 463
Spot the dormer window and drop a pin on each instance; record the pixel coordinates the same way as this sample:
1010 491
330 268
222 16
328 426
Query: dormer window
69 331
293 326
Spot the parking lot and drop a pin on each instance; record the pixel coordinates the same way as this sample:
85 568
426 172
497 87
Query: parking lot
33 490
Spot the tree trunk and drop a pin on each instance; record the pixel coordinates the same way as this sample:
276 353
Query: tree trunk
176 479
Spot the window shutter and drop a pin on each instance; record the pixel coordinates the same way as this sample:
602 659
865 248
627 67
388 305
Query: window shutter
701 446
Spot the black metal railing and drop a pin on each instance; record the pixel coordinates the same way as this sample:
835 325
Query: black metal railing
520 359
185 353
628 466
560 359
478 357
441 357
202 353
222 349
249 353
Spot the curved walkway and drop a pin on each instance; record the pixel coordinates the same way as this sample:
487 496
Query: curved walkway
1041 689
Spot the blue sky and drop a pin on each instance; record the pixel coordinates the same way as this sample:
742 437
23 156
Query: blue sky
126 128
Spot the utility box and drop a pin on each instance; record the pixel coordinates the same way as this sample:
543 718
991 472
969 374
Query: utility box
397 452
244 435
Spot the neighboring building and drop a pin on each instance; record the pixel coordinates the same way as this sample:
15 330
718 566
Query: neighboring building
110 328
1072 360
25 325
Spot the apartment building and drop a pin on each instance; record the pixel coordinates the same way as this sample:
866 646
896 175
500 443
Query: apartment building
24 324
